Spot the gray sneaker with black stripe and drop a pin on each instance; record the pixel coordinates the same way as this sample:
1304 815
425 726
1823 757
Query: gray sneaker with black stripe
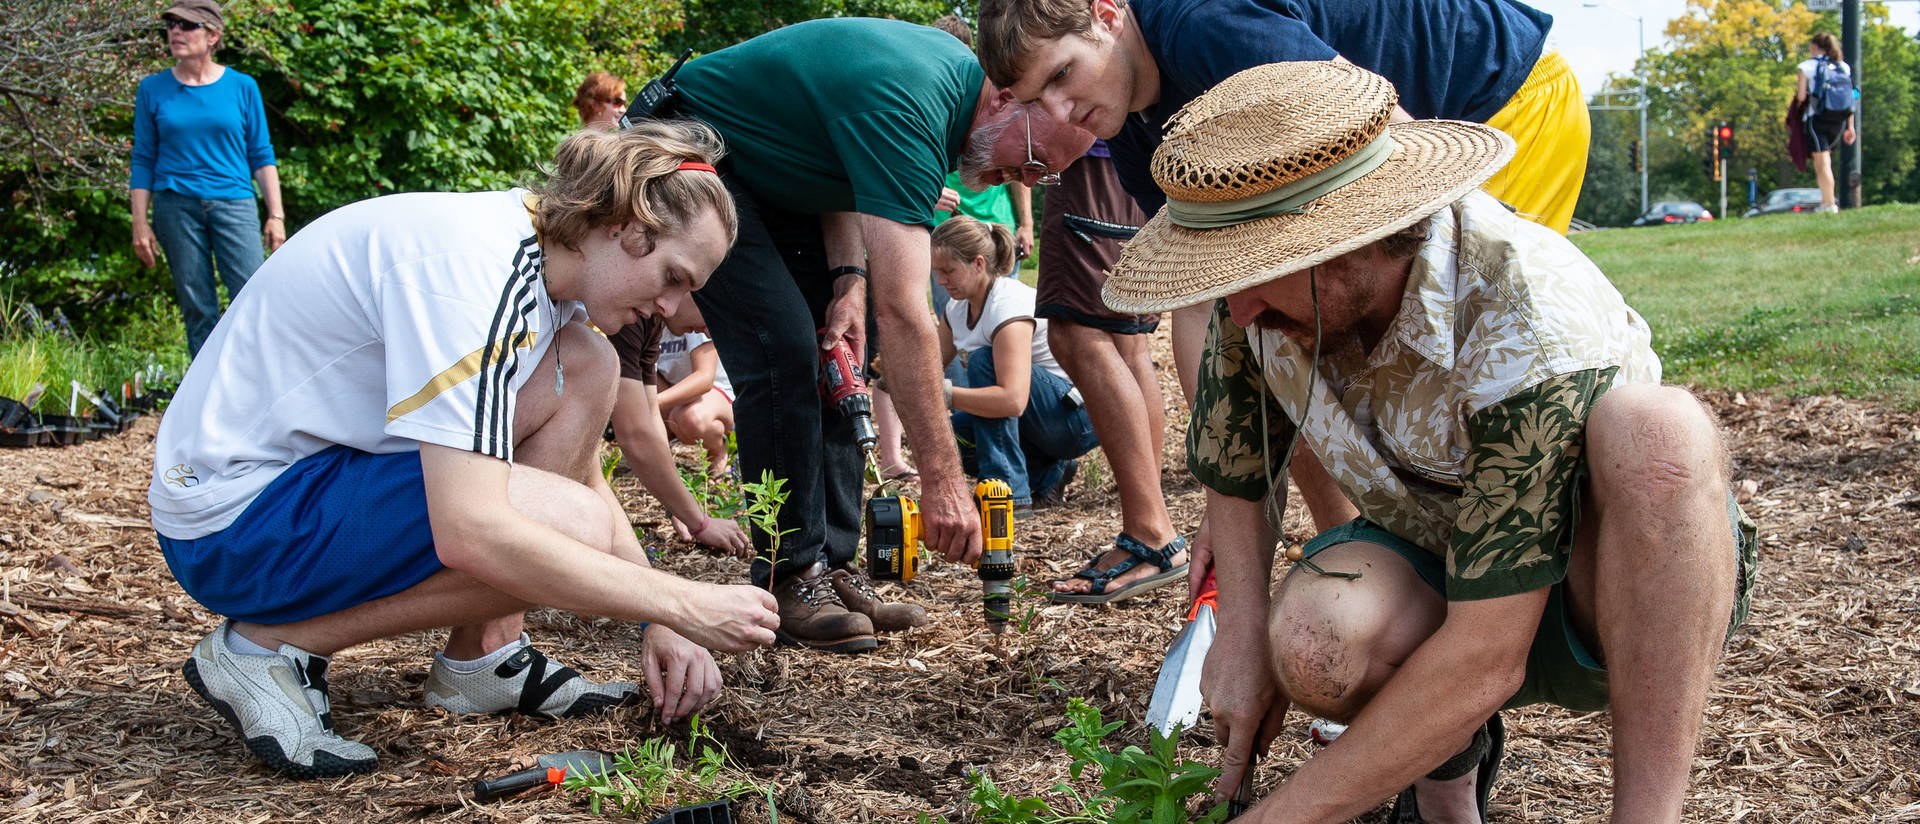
278 706
526 681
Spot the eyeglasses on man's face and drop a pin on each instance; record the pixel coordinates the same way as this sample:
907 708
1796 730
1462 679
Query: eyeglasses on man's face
1048 177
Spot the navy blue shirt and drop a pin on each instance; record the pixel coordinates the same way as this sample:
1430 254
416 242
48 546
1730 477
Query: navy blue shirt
1453 59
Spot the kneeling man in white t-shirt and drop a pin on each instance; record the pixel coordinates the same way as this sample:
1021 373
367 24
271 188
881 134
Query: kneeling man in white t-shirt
395 428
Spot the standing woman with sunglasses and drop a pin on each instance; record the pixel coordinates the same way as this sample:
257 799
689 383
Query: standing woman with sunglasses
199 133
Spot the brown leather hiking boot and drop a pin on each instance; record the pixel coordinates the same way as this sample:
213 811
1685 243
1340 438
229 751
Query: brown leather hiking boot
856 591
812 615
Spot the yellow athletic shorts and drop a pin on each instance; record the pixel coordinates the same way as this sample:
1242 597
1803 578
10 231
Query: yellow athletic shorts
1548 118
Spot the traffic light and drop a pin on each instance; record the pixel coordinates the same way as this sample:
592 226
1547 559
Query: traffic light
1725 133
1713 153
1633 155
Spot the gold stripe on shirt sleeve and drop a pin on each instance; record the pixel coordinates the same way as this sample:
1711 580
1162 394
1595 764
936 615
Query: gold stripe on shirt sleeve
457 374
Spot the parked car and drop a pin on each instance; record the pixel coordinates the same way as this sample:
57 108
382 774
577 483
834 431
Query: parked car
1673 211
1781 201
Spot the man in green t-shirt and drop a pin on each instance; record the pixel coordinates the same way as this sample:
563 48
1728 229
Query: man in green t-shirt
840 134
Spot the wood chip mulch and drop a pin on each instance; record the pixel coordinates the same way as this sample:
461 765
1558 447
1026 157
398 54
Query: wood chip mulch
1815 716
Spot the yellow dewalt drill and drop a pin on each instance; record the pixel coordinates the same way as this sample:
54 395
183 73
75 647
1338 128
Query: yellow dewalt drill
894 533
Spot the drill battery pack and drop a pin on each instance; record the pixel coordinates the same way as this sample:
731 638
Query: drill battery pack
893 538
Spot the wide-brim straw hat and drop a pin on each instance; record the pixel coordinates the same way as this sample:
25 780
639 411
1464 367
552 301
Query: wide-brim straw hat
1278 130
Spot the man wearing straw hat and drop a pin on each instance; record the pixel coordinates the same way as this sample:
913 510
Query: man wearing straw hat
1543 521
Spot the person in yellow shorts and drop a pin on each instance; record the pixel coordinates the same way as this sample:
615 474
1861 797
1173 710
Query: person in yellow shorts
1122 68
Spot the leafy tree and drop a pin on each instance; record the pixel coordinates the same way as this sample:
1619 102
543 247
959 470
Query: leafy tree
67 72
712 25
1733 61
1610 193
370 97
1889 109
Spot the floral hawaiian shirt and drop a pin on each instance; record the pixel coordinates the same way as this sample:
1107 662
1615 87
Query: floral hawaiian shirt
1462 430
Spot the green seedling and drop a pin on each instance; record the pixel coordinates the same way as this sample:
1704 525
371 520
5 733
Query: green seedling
644 779
609 462
1137 786
763 502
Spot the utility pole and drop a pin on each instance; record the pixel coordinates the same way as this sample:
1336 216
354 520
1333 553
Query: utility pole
1723 188
1847 177
1645 149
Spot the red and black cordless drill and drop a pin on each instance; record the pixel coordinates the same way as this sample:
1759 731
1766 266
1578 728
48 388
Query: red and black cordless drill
844 385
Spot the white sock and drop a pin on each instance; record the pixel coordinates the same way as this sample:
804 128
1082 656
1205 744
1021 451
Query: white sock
478 664
240 644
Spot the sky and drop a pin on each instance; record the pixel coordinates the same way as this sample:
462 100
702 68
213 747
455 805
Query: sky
1605 39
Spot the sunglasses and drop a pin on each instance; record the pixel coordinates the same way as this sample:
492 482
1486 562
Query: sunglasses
183 25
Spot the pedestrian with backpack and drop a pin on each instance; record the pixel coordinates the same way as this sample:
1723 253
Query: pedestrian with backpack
1825 86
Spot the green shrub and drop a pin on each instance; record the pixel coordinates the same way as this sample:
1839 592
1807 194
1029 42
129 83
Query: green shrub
372 97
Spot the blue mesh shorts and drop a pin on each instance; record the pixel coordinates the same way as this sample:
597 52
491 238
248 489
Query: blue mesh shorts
337 529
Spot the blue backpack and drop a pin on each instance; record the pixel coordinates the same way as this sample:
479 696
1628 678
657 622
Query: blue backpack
1832 91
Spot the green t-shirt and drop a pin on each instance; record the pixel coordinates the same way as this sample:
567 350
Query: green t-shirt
843 114
991 205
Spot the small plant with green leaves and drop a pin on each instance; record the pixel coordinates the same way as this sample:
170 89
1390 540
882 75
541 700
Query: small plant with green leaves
763 502
609 461
1137 786
645 779
22 363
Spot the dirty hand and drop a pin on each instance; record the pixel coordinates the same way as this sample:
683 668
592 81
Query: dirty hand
949 201
730 617
681 676
1199 560
847 316
951 521
1248 709
144 244
721 533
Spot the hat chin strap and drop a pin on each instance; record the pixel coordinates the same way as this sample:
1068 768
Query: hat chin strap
1290 198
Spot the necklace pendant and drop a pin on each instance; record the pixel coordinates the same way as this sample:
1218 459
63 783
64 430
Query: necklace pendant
559 378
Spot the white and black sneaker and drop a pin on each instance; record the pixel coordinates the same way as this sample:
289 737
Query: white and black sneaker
525 681
278 706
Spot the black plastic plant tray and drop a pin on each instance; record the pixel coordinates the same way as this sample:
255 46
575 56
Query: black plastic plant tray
712 812
28 436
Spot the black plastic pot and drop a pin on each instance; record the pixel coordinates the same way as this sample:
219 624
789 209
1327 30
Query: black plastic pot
15 415
24 436
66 429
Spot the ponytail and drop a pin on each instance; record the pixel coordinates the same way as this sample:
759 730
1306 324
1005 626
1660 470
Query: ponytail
1829 46
964 238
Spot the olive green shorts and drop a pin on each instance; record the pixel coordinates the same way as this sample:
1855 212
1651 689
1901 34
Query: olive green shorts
1560 668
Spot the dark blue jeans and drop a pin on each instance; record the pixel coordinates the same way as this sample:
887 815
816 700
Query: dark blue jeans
196 235
762 307
1032 451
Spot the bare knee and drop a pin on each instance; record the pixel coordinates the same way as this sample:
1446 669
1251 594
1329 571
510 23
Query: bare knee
563 505
588 364
1336 641
1653 445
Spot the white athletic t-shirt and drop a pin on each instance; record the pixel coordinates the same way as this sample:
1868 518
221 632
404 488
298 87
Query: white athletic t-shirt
1009 300
384 324
1810 69
676 360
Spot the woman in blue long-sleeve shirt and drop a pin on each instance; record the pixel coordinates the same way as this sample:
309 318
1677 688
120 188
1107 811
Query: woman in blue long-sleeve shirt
199 133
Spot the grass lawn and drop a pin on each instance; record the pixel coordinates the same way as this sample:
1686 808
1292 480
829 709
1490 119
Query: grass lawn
1797 304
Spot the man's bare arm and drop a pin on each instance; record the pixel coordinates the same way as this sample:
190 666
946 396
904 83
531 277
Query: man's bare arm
900 262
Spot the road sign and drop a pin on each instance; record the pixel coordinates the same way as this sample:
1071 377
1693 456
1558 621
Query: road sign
1823 5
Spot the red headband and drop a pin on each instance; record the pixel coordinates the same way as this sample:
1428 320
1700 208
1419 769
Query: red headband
695 166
